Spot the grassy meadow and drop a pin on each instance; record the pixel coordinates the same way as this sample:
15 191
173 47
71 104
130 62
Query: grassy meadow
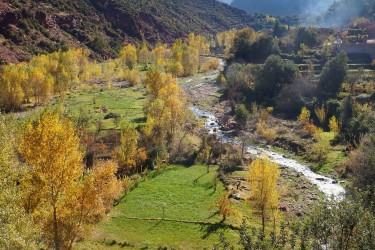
98 102
189 221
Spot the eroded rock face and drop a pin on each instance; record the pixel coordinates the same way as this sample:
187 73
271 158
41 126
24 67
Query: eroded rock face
8 16
67 22
47 20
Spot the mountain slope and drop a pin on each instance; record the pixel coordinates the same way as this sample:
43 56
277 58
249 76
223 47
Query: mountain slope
32 27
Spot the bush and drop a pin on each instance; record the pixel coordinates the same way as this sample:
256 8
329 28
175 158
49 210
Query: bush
111 116
134 77
362 163
268 133
242 115
211 64
293 97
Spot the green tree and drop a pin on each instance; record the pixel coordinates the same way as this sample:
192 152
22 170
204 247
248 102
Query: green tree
262 48
272 76
242 43
308 36
362 163
342 225
242 115
279 30
333 75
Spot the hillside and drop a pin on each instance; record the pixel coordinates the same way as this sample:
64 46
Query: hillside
34 27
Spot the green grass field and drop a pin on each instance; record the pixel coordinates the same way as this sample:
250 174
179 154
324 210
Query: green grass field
126 102
186 193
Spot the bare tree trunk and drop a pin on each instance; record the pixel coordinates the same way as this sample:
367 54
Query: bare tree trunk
263 223
55 228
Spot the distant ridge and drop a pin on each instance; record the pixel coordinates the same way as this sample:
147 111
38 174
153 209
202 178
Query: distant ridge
273 7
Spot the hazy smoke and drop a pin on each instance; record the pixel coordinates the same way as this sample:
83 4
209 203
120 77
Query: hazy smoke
316 8
334 13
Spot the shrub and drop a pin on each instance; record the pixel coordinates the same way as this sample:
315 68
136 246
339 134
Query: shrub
111 116
268 133
211 64
134 77
242 115
334 125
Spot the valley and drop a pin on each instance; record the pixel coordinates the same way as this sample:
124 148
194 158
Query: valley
187 125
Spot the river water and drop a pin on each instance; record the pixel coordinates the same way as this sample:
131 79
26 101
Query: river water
328 186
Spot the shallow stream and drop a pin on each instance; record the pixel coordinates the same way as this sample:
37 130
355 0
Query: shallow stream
326 185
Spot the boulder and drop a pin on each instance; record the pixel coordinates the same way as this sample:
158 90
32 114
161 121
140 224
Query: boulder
237 197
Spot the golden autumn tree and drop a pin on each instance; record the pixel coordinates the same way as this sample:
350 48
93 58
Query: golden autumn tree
128 55
305 115
51 149
16 230
56 180
11 92
334 125
190 60
224 206
41 84
160 55
89 202
144 54
165 110
128 155
263 176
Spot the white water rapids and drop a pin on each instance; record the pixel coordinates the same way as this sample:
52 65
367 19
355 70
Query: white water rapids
328 186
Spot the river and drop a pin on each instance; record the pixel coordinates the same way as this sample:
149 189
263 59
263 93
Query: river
331 188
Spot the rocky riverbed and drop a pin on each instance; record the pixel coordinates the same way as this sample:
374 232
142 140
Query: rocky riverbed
299 186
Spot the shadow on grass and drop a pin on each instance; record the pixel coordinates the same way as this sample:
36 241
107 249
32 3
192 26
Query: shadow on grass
213 215
211 229
139 120
155 225
195 181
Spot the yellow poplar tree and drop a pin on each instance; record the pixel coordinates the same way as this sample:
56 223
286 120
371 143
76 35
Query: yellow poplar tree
263 177
159 55
51 149
190 60
11 93
57 193
41 84
166 112
90 201
334 125
224 206
129 55
305 115
16 230
128 155
144 54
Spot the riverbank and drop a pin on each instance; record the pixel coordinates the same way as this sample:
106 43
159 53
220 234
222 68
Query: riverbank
206 104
